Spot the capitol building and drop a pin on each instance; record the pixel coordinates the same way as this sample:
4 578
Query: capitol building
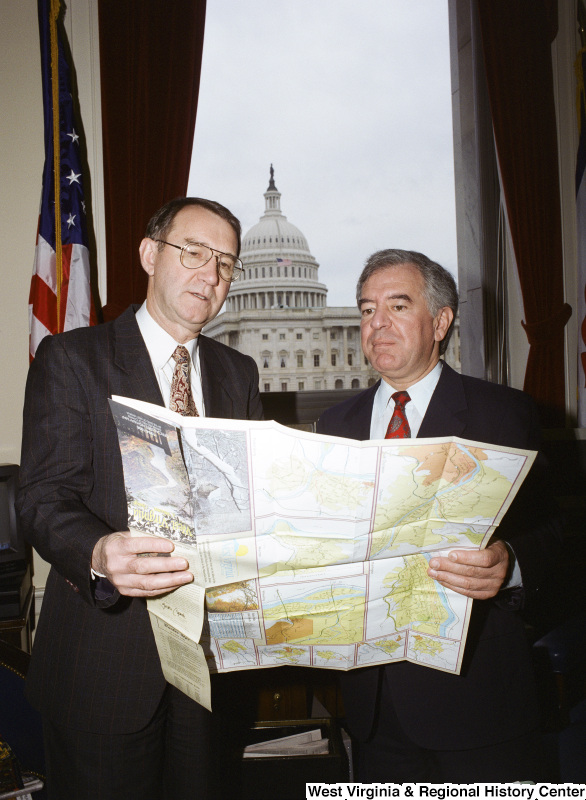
277 313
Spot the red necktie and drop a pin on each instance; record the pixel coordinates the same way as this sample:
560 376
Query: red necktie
181 398
398 426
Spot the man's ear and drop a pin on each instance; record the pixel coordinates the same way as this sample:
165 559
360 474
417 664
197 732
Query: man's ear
442 322
147 251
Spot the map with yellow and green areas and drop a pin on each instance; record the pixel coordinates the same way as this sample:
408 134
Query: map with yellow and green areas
291 551
414 599
303 614
334 569
442 495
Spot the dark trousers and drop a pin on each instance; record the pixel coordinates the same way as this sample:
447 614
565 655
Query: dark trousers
167 760
389 756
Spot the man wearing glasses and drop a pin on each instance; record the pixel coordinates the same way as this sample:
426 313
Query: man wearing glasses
113 727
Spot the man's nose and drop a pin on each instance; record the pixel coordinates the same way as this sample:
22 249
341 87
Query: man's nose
210 272
380 319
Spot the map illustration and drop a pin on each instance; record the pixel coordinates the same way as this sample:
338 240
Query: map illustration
314 550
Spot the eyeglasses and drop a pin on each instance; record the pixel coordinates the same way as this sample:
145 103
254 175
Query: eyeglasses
196 255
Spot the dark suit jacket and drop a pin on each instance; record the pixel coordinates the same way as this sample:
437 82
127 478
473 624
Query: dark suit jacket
493 698
94 665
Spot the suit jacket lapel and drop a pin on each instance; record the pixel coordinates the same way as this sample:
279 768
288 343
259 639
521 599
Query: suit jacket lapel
215 383
132 357
356 425
448 410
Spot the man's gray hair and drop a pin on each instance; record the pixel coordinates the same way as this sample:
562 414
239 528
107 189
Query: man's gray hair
439 285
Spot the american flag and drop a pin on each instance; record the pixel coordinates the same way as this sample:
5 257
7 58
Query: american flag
284 262
60 295
581 231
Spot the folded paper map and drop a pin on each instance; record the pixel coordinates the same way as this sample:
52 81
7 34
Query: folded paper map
308 550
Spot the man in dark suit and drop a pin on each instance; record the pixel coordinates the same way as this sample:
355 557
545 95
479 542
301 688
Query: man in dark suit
113 727
414 723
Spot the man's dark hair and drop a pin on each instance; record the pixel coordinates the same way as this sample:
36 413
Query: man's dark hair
439 285
161 222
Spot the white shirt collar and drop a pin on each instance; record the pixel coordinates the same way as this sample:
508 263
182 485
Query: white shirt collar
160 344
420 394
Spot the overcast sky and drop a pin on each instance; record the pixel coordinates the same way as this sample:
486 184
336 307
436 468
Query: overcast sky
351 103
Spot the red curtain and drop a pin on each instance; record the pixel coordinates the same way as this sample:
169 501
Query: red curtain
150 59
516 41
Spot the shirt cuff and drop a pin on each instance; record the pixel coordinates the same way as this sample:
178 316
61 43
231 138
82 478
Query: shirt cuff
513 578
95 575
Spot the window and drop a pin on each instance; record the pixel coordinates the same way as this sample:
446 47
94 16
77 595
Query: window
316 361
317 384
265 363
355 383
333 359
339 384
349 359
299 361
300 386
316 334
333 334
283 365
284 386
265 336
285 271
282 336
267 387
263 272
300 336
278 272
366 360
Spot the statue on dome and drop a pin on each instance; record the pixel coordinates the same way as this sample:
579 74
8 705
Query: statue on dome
272 180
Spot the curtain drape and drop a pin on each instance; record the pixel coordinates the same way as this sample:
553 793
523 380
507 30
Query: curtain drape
516 42
150 63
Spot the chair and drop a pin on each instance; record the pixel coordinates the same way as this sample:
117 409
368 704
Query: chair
20 723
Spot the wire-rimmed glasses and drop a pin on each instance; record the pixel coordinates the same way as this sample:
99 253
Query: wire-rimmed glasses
195 255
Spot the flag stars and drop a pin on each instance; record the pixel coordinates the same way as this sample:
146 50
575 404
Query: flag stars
74 137
73 177
71 220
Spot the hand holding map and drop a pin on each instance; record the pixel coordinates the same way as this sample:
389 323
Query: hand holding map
479 574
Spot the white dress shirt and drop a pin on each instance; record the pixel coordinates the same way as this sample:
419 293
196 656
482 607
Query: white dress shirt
161 346
420 394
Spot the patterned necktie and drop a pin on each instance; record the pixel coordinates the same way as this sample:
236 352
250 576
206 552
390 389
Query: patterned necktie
181 398
398 426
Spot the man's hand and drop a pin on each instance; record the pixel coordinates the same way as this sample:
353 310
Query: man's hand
475 573
117 556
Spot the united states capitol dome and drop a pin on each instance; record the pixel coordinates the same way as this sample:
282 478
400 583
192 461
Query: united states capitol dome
274 231
279 269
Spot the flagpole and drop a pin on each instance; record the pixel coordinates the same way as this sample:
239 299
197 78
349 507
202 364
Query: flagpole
54 15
